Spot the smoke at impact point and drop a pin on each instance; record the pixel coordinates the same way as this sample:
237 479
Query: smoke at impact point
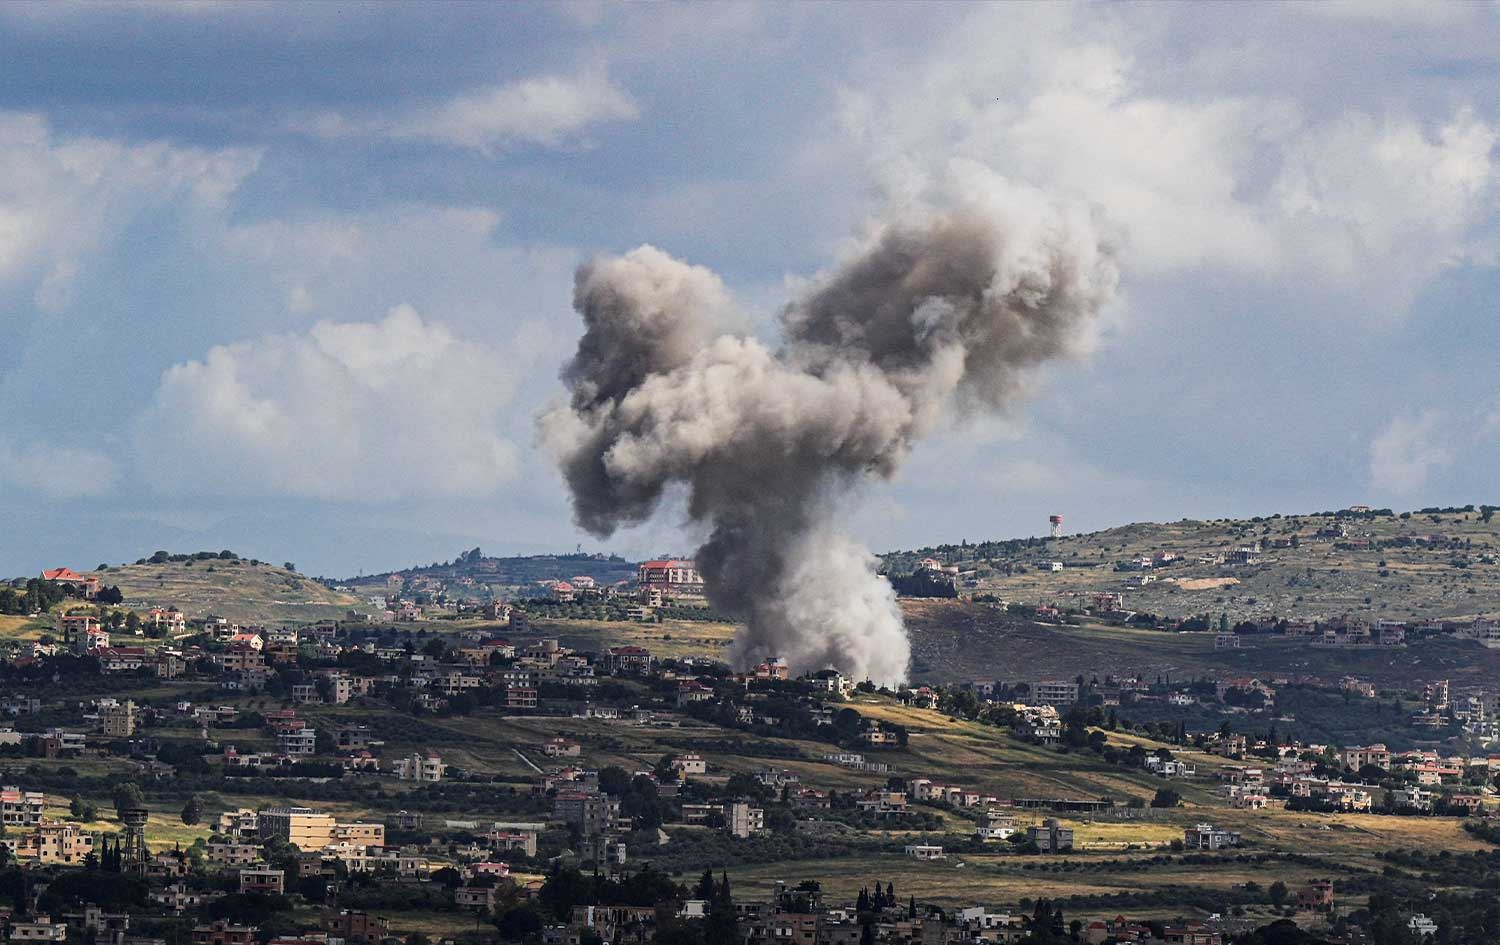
940 310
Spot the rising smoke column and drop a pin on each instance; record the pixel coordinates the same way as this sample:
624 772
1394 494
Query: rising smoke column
940 309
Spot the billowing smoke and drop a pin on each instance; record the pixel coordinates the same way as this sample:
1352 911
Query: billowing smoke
941 309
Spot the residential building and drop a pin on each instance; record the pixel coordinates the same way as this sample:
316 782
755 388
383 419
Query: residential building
306 828
298 743
741 820
1358 757
21 808
224 932
1054 692
671 576
1209 837
118 720
233 855
40 930
263 880
1051 836
419 767
63 843
354 926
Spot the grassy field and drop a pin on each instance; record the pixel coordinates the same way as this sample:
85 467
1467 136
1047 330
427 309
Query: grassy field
1458 578
669 639
24 628
237 590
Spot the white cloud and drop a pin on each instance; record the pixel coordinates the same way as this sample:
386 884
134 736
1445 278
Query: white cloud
58 472
444 261
355 411
1369 204
1408 451
63 197
548 110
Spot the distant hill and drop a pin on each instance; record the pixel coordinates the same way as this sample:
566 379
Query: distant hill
1420 565
473 574
237 589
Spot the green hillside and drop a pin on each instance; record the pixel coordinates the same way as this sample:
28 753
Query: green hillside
1424 565
236 589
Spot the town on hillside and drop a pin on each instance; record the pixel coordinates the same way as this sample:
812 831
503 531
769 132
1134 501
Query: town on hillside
579 762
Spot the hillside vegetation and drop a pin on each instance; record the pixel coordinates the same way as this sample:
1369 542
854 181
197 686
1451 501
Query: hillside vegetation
237 589
1426 565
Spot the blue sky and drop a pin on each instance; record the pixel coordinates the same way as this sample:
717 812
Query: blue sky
295 280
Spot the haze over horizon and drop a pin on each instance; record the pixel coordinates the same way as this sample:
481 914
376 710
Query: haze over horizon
296 280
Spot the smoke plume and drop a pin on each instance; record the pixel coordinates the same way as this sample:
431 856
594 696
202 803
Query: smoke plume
940 309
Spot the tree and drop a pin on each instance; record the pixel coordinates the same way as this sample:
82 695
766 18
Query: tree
128 794
1166 797
1277 893
192 811
290 566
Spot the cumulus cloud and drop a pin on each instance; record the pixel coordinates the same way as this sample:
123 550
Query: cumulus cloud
57 472
547 110
63 197
353 411
445 261
1370 202
1408 451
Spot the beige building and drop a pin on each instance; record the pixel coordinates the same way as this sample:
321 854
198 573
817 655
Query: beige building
428 767
364 834
62 843
118 720
307 829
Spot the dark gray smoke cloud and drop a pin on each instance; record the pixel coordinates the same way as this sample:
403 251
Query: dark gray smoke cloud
939 309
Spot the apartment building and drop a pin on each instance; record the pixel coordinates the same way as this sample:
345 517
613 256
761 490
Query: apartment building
306 828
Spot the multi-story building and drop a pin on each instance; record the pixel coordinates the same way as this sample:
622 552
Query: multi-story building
592 812
223 932
360 833
353 926
520 697
298 743
1054 692
63 843
238 823
234 855
118 720
741 819
263 880
1357 757
630 660
21 808
420 767
671 576
306 828
1051 836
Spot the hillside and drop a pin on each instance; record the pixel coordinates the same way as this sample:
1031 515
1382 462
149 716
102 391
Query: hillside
473 575
236 589
958 640
1425 565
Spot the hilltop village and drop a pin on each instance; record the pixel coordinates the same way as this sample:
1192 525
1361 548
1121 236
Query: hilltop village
441 763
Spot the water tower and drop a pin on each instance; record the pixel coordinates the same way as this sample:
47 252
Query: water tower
133 820
1056 522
